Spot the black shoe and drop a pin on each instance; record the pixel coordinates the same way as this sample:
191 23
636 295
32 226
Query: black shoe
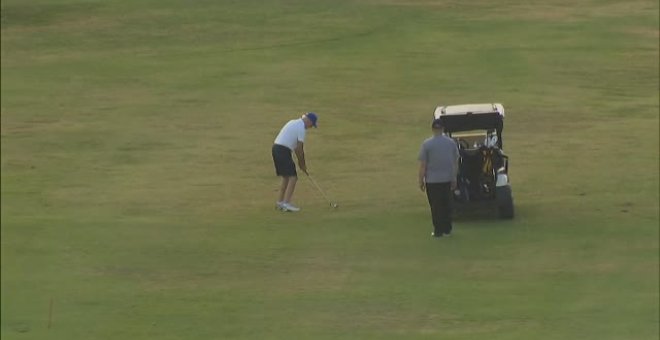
436 236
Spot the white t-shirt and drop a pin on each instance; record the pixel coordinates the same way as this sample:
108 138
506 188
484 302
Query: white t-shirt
292 133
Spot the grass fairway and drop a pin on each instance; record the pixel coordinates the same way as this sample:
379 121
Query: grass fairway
138 187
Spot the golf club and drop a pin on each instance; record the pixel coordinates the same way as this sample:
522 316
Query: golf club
332 204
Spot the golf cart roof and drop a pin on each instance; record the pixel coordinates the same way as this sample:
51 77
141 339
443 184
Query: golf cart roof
471 117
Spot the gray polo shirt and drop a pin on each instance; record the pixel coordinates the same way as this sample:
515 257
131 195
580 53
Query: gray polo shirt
441 156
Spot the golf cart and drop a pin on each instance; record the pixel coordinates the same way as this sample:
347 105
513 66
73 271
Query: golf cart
483 166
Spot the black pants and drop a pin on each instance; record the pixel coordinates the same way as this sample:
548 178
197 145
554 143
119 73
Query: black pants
440 199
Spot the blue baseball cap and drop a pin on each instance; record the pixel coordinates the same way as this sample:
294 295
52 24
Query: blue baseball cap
312 117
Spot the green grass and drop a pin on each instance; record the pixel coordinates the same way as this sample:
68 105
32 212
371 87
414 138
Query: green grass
138 188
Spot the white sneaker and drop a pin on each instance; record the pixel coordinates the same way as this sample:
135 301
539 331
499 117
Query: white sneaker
278 205
289 207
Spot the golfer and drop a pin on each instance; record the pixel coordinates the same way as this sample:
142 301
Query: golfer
438 168
291 138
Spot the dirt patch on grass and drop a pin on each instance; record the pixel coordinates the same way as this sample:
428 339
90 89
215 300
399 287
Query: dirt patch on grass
415 3
557 11
645 33
37 125
624 8
570 10
27 16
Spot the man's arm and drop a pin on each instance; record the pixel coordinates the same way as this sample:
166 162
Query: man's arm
422 176
300 154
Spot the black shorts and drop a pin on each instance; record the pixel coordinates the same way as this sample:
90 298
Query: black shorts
283 160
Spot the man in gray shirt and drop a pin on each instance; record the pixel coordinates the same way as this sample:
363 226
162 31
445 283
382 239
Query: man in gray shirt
438 168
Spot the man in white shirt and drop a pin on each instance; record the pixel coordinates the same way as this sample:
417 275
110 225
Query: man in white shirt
291 138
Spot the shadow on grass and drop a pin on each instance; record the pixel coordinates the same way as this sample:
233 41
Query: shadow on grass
480 213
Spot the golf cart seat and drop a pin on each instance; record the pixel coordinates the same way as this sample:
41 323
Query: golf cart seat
472 161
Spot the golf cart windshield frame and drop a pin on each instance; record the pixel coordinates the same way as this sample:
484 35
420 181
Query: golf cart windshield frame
492 121
469 121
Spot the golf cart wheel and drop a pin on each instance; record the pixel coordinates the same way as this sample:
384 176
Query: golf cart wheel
505 202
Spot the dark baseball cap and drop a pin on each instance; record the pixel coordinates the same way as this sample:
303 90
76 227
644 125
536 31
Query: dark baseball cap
437 124
312 118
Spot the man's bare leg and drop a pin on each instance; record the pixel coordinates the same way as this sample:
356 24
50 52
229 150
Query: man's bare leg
291 186
285 183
